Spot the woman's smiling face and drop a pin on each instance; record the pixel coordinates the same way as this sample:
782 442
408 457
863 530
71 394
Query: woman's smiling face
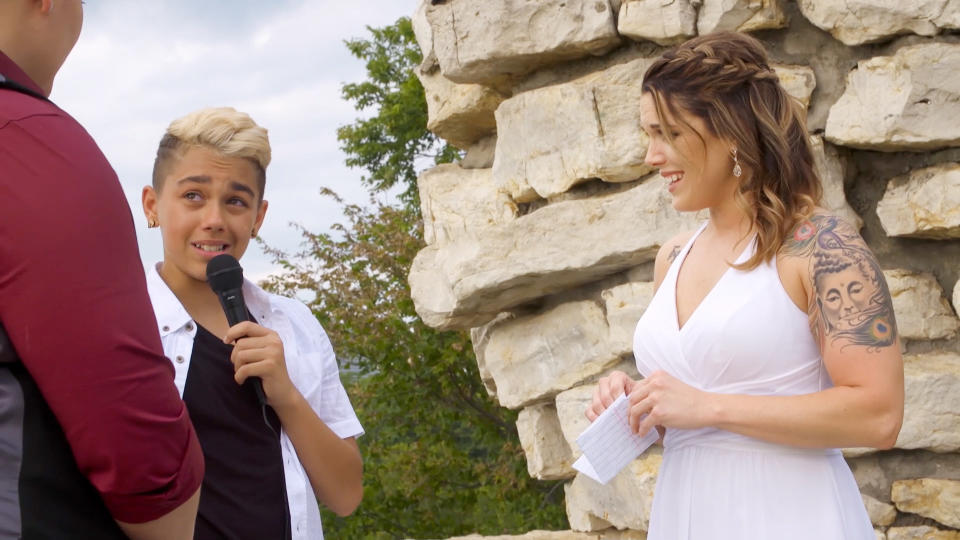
696 164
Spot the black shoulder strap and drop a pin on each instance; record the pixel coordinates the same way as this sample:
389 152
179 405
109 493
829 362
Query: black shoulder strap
16 87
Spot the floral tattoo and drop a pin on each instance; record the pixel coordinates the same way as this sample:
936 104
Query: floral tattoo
851 304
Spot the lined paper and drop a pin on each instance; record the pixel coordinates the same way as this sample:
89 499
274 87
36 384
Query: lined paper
609 445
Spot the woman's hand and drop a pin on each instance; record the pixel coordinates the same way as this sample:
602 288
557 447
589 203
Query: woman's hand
609 389
258 352
663 400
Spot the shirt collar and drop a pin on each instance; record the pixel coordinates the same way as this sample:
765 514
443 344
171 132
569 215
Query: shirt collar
10 70
171 315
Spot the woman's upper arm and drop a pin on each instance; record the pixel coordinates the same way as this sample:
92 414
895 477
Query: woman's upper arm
850 308
667 253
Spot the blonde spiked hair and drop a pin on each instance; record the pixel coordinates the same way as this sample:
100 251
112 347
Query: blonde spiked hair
224 129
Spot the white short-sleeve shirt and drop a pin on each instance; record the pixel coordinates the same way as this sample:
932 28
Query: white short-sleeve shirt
311 364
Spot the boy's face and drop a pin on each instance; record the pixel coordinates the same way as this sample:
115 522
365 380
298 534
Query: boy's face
208 204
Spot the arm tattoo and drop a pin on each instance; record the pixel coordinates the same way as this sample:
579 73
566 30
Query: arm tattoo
673 253
851 303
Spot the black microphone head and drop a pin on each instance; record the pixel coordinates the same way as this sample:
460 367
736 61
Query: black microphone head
224 273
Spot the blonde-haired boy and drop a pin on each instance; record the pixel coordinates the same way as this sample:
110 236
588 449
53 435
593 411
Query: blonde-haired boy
267 467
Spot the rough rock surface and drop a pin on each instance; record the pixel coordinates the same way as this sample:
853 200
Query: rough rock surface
921 309
458 202
855 22
922 532
625 501
662 22
508 38
571 405
876 473
468 282
908 101
624 305
923 204
552 138
548 455
798 81
534 358
881 513
462 114
831 170
739 15
932 406
934 498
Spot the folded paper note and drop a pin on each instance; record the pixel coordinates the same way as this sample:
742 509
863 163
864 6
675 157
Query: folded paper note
609 444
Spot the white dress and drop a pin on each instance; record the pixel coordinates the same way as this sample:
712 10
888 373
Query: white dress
746 337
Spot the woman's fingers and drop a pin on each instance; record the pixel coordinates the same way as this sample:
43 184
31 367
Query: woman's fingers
596 406
604 388
638 392
617 383
609 388
639 412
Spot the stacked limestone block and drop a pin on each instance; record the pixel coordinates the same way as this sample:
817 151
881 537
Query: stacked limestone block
541 240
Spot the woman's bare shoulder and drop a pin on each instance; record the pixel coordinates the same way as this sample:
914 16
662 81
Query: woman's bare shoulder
668 253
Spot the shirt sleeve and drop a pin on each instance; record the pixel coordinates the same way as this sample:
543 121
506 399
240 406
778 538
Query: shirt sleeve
73 300
327 396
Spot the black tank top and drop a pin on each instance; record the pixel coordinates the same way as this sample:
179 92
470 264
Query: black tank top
243 494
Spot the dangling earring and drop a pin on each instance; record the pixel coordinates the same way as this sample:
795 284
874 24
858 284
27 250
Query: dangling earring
737 171
152 223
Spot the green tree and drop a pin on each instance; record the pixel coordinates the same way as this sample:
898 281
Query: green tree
441 457
388 145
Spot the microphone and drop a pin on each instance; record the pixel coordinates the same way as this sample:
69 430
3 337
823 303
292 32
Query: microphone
225 277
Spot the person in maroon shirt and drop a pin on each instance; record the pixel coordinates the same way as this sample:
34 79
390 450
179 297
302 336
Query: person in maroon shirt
94 439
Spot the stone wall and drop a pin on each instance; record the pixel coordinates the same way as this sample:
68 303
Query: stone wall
541 240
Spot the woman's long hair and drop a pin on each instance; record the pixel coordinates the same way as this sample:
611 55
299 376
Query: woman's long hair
725 80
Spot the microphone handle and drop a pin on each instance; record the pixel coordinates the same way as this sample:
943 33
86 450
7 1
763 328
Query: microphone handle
236 311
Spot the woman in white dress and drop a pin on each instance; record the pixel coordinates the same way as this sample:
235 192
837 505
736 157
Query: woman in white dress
771 339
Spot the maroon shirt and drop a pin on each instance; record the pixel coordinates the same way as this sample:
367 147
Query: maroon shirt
74 302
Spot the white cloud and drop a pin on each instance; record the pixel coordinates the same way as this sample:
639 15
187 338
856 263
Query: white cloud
139 65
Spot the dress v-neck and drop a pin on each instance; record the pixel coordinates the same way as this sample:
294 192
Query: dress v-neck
676 278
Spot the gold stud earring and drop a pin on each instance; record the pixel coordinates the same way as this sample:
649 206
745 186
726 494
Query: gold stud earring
737 171
253 233
152 223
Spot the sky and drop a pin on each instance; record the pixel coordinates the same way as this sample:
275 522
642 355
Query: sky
139 65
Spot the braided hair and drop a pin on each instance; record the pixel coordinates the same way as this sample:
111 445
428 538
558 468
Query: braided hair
725 80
